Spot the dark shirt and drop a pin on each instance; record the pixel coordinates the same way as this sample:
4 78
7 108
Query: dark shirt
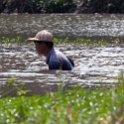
57 60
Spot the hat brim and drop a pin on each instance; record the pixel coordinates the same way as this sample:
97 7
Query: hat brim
33 39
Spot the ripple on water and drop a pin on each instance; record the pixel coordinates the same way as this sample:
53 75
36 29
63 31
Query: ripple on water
93 66
63 25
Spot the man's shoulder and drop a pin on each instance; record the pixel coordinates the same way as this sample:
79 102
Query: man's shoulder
59 54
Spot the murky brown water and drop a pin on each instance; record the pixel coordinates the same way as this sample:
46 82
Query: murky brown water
93 66
89 25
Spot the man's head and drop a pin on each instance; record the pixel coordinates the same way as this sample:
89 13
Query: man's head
43 42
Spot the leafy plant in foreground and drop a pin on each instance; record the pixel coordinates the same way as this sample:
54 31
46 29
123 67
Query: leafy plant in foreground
75 105
13 86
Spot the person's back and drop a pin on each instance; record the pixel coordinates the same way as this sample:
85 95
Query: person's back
57 60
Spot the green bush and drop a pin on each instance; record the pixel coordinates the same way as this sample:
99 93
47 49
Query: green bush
21 6
61 6
76 106
38 6
2 5
58 6
103 6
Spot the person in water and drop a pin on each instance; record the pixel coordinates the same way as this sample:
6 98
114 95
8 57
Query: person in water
54 59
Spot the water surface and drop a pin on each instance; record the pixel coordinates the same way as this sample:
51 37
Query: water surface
82 25
93 66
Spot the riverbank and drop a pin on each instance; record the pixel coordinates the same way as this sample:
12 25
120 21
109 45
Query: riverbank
61 6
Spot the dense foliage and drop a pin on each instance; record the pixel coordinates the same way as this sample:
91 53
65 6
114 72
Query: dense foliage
76 106
36 6
61 6
102 6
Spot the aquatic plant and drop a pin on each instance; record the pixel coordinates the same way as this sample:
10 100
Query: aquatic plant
75 105
8 42
88 42
18 42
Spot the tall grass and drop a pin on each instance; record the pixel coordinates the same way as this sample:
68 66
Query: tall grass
104 105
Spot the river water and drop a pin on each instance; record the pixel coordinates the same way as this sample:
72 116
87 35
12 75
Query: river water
71 25
94 66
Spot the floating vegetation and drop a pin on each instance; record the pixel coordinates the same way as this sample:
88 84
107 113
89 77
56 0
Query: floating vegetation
17 42
10 42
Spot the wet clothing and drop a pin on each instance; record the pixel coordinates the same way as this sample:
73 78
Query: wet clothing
57 60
